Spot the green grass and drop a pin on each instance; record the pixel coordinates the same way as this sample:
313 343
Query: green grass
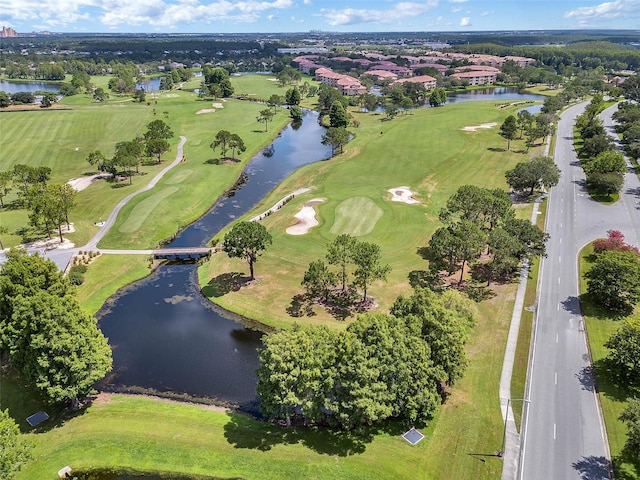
601 324
426 151
356 216
106 275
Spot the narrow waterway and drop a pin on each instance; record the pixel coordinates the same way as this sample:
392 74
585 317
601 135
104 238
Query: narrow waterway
166 336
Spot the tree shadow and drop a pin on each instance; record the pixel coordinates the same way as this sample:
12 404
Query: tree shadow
624 462
586 378
426 279
496 149
572 305
611 382
243 432
212 161
424 252
592 468
300 306
224 283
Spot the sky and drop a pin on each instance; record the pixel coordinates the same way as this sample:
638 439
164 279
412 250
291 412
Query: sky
263 16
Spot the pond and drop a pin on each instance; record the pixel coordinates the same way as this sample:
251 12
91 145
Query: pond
15 87
166 337
497 94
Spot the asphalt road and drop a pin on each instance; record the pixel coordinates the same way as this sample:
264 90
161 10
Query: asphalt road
564 436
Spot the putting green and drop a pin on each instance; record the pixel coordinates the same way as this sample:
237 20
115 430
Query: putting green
141 211
356 216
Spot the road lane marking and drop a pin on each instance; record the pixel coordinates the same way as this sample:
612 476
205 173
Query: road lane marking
559 258
557 337
558 308
558 280
555 379
554 431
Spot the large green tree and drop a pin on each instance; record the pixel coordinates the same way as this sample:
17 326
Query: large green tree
265 116
537 172
222 141
318 280
631 417
509 129
337 137
624 355
340 253
367 258
338 116
14 452
246 240
614 280
57 345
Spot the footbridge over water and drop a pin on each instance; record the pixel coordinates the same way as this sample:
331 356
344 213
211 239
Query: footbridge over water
186 253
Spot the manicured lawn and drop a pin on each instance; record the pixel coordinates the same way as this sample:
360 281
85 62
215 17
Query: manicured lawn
613 397
108 274
426 151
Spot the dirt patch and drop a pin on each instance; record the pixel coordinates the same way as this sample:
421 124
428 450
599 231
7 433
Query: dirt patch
54 242
402 194
475 128
104 397
306 218
205 110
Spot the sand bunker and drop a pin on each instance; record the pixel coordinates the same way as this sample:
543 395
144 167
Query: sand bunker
306 218
475 128
81 183
402 194
205 110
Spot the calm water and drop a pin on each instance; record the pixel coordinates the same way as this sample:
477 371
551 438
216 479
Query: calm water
14 87
497 94
165 335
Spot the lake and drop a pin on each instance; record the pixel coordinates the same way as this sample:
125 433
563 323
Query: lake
15 87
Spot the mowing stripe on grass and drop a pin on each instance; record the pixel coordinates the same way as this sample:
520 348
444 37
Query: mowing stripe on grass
141 211
178 177
356 216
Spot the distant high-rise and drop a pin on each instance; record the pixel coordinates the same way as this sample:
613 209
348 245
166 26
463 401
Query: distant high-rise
8 32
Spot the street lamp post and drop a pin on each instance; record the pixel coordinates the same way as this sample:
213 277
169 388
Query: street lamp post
506 416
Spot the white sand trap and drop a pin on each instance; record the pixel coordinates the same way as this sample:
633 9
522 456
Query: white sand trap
402 194
205 110
217 105
475 128
81 183
306 218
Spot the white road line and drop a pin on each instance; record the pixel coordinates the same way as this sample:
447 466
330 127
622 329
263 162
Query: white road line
554 431
559 258
558 280
557 337
558 308
555 379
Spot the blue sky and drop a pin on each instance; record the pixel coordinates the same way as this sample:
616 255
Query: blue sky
229 16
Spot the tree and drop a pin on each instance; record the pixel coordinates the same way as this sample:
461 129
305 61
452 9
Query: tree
275 101
367 257
445 321
222 140
524 121
246 240
606 162
6 185
504 249
5 100
480 205
155 147
57 345
14 453
537 172
337 137
340 252
624 355
338 116
100 95
370 101
509 129
25 275
292 96
48 99
605 183
296 113
236 143
631 88
139 95
438 97
318 280
217 79
129 153
594 146
459 243
265 116
158 129
614 280
631 417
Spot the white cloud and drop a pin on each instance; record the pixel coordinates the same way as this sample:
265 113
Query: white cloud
486 13
167 13
606 11
458 1
456 9
399 11
307 2
465 21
